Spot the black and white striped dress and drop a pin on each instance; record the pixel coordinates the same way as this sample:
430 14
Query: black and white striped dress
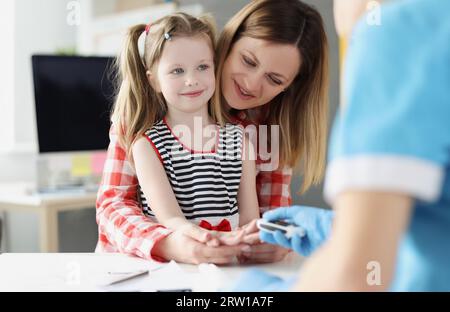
205 183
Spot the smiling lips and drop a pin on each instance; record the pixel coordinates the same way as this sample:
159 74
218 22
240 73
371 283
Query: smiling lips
193 94
241 92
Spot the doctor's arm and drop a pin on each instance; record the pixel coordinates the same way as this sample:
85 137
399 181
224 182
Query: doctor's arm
367 229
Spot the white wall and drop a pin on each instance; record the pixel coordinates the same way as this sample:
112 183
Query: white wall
41 27
7 77
28 27
222 10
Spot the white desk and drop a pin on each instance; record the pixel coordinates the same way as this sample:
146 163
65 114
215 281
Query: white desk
78 272
18 197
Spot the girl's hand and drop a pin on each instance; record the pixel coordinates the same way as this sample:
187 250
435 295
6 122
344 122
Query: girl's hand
188 245
232 238
259 252
208 237
199 234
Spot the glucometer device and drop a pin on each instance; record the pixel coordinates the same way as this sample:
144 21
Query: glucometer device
288 229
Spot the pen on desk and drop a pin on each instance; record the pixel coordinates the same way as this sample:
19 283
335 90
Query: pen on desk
122 273
175 290
115 277
127 277
131 272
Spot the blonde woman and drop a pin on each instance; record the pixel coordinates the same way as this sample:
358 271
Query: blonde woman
271 70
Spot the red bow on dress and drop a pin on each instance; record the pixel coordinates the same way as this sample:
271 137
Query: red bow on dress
223 226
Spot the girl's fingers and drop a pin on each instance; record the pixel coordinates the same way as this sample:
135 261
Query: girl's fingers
221 260
259 258
267 249
252 238
197 233
231 239
250 227
213 242
264 257
223 252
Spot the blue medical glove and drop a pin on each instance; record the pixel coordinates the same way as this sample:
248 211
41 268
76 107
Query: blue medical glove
258 280
315 221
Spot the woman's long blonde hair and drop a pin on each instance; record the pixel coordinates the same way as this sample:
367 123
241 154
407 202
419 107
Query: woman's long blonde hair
137 105
301 110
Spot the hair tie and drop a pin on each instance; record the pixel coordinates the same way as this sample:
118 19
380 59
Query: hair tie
147 28
167 36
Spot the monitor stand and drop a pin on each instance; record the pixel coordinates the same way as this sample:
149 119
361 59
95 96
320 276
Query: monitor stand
51 179
74 188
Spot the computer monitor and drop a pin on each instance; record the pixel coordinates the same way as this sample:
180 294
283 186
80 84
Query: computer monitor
73 100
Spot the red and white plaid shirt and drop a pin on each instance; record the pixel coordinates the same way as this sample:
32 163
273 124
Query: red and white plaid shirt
122 225
272 187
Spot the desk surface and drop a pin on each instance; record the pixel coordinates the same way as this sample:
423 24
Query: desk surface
81 272
22 194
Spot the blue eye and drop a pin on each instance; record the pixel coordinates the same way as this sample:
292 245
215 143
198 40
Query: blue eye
177 71
203 67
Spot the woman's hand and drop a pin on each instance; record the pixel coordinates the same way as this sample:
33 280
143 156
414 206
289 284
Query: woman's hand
315 222
210 238
259 252
192 244
232 238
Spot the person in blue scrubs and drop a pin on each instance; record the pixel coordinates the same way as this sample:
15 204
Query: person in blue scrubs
388 177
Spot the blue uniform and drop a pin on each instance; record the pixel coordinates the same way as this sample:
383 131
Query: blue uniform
393 133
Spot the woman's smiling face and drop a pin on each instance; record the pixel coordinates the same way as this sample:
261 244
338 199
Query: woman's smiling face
257 70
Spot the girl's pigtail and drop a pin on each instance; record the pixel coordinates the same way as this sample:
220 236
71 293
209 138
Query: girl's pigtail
137 104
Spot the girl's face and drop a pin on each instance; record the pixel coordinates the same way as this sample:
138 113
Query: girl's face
257 70
185 73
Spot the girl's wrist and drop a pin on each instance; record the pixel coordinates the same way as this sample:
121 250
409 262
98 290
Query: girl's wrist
176 223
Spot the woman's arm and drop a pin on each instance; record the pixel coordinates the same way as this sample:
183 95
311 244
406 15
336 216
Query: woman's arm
122 225
274 188
247 198
364 241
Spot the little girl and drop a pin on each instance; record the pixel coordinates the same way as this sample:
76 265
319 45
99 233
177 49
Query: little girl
190 169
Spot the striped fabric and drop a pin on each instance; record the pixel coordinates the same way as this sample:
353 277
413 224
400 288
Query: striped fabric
122 225
205 184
